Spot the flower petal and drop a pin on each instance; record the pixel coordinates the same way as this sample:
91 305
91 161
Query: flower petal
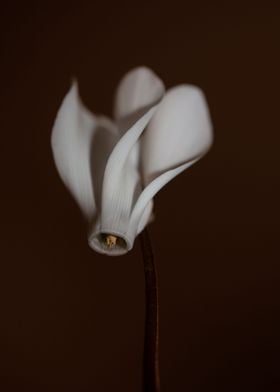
146 217
121 186
178 135
179 132
81 143
116 208
140 216
137 92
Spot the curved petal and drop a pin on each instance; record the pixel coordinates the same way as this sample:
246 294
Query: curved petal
139 216
121 186
180 131
115 211
139 90
146 216
178 135
81 142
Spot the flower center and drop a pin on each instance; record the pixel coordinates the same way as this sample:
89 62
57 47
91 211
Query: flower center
111 241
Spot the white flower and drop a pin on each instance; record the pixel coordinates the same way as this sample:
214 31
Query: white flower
113 169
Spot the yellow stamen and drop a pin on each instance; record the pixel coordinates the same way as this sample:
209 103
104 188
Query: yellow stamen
111 241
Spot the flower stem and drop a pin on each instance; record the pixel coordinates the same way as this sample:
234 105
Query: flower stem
151 379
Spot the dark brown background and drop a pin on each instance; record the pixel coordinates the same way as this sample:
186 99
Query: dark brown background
72 320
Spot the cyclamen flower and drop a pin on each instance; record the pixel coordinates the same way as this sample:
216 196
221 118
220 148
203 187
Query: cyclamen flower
114 168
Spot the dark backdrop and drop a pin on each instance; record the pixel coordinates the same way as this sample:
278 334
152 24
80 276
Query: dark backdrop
72 320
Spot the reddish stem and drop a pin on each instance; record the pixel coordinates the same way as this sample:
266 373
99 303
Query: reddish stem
151 379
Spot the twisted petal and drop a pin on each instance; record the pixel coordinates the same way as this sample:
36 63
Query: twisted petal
121 186
178 135
138 91
81 144
145 217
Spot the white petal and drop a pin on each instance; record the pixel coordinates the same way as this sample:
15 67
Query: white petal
139 217
81 143
115 213
178 135
146 217
179 132
121 186
137 92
